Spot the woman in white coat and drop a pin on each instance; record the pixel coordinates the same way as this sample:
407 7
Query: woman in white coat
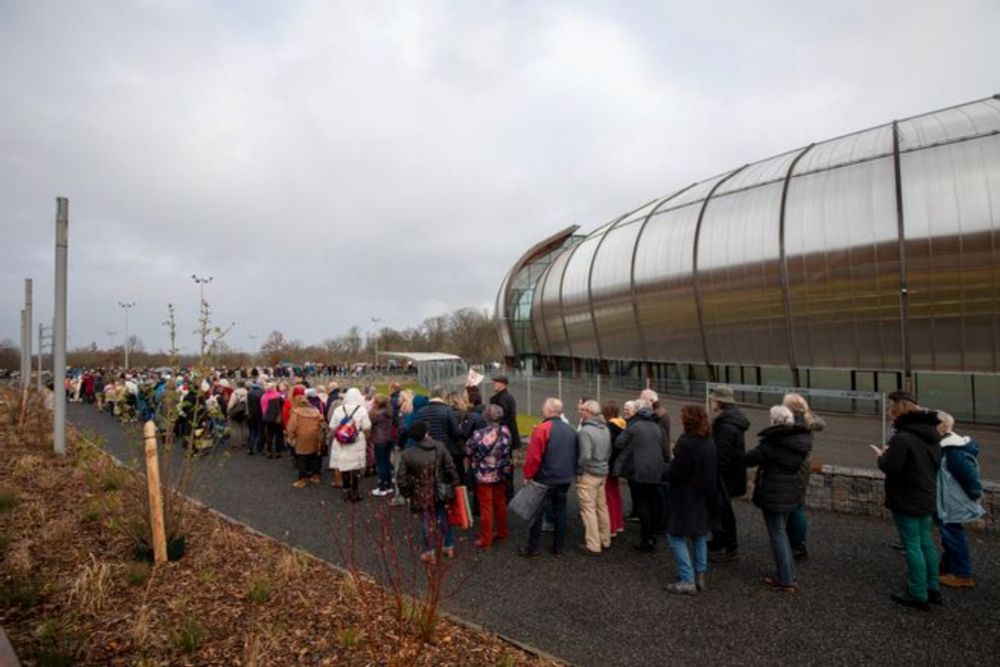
350 457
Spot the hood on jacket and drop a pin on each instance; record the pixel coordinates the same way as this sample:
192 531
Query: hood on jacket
419 401
921 423
645 413
353 397
597 421
956 440
732 415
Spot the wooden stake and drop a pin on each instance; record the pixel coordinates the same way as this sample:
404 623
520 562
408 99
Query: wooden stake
155 494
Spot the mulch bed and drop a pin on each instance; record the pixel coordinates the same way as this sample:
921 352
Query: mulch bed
71 593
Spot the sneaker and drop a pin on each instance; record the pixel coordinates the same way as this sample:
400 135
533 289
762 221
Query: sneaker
427 557
314 479
449 552
723 556
681 588
378 492
480 544
299 484
908 600
778 587
954 581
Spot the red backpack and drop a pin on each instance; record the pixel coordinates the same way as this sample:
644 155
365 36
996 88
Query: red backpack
346 432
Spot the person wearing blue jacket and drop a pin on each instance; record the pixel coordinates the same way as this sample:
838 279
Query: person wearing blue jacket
960 455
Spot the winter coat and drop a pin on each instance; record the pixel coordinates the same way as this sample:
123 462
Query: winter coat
489 452
643 454
911 463
442 424
351 456
728 428
305 430
265 401
778 459
615 427
960 454
505 400
474 421
693 487
254 409
381 426
552 453
423 464
238 396
595 447
663 418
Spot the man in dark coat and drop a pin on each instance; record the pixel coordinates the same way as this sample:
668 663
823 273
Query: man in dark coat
728 430
505 400
910 462
443 426
643 456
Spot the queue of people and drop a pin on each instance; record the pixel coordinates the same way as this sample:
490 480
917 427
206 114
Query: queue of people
422 447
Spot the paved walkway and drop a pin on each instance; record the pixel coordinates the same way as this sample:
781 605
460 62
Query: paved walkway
611 611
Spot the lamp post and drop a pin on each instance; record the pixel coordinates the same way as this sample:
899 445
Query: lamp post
201 281
375 321
126 307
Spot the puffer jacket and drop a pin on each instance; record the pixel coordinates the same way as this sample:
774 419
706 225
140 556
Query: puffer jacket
351 456
728 428
911 463
423 464
778 458
442 424
643 454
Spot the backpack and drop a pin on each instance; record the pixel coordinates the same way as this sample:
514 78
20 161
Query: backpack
346 432
273 414
239 412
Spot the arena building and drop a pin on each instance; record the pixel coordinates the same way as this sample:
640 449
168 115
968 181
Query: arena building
865 262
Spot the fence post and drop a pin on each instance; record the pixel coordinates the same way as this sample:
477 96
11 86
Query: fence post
885 430
155 494
559 383
598 387
530 404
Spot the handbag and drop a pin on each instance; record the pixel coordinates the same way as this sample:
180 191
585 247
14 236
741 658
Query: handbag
444 492
527 502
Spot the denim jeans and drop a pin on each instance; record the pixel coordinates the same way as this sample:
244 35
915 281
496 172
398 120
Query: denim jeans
797 527
557 496
682 555
955 550
777 524
435 529
256 440
383 455
921 554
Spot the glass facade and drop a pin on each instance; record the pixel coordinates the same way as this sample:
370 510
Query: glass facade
874 252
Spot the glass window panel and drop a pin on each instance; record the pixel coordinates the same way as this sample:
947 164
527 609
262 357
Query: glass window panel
841 241
665 301
950 203
576 300
950 392
552 314
963 121
739 274
858 146
537 312
611 288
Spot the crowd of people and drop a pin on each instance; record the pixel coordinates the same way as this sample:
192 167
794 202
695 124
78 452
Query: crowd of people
420 448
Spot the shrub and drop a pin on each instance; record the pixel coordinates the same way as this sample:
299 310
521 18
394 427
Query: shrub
8 499
21 591
188 637
137 573
259 592
58 647
349 638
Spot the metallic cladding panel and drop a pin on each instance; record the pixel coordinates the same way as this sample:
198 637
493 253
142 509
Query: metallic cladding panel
841 241
952 203
740 277
611 288
552 317
576 300
501 317
665 304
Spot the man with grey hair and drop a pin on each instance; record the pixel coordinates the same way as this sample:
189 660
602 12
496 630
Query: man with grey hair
592 473
551 461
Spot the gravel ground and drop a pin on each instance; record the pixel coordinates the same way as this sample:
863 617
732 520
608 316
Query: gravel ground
611 611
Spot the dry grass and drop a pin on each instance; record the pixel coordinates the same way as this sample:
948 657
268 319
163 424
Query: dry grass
90 590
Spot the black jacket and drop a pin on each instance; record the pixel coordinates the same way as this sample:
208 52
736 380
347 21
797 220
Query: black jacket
779 458
911 464
473 421
643 455
692 492
253 404
424 464
442 425
728 428
504 399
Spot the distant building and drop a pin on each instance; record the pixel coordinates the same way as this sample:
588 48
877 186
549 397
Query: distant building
862 262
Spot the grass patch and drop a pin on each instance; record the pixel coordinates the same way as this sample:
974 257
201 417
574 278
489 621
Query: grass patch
526 423
59 648
21 591
137 573
93 512
188 637
112 481
259 592
8 499
350 638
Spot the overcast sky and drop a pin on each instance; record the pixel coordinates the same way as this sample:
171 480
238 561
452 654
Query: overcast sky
330 162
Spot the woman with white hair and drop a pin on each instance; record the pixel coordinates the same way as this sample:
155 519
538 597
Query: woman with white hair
349 426
778 491
797 523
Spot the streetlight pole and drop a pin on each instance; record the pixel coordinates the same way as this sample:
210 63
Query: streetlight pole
375 321
201 281
126 307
